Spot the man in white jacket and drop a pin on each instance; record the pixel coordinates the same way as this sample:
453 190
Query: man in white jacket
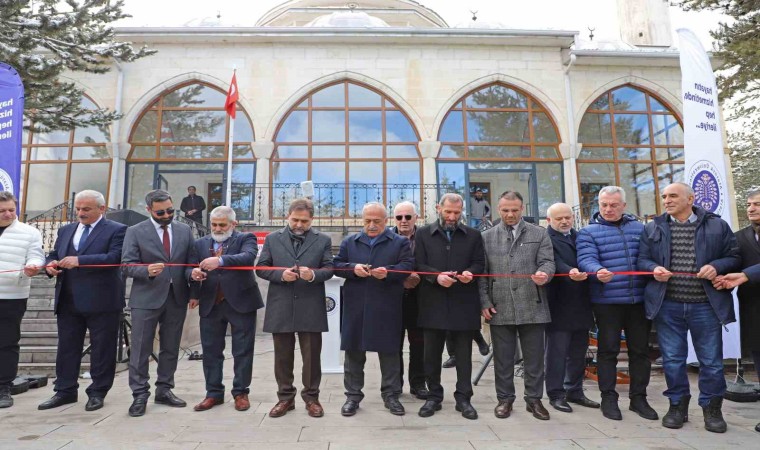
20 259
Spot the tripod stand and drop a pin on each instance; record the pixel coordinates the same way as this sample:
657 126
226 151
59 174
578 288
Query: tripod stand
122 348
488 358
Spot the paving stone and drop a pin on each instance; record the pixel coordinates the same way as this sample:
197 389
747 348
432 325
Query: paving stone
546 444
634 443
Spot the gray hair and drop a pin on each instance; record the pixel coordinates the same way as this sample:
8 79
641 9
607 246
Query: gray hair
406 203
7 196
451 197
223 212
92 195
374 205
612 190
556 207
753 193
156 196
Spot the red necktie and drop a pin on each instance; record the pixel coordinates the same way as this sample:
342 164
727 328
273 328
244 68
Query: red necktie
167 241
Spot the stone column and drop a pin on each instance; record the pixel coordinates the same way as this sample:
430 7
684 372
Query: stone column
568 151
262 150
429 151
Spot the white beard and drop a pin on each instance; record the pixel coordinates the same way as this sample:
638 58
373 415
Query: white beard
222 237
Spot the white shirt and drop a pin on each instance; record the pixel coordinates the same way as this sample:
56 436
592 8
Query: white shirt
80 230
160 232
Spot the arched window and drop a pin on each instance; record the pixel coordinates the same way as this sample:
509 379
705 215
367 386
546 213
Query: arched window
631 139
509 141
354 143
182 139
58 164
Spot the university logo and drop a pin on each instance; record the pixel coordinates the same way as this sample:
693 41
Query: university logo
330 305
6 182
707 184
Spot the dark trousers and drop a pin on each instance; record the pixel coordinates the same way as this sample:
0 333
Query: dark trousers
610 319
171 316
504 339
477 336
565 363
416 339
353 374
213 340
311 373
462 346
72 327
674 321
11 313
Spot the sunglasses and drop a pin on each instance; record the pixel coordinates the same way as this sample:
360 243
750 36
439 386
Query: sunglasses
160 213
406 217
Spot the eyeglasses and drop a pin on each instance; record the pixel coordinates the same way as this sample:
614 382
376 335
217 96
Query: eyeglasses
160 213
406 217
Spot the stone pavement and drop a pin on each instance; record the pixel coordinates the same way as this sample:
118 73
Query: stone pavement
70 427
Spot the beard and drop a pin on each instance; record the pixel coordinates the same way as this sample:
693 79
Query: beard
297 231
164 220
222 237
446 226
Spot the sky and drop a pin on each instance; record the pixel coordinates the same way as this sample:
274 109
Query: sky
573 15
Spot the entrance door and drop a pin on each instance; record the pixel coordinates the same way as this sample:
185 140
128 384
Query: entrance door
498 181
208 179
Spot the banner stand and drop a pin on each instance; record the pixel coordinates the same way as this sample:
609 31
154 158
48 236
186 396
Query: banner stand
331 339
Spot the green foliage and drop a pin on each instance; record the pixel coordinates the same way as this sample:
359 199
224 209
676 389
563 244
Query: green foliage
738 47
42 39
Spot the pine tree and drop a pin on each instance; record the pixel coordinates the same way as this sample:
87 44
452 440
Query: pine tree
42 39
738 47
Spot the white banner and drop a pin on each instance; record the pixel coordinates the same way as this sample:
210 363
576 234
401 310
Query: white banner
705 168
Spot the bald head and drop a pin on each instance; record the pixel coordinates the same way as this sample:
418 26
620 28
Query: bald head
677 200
560 217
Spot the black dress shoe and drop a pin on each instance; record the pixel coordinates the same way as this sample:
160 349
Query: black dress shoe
757 427
168 398
138 407
57 400
429 408
584 401
468 412
94 403
560 404
610 408
449 363
640 406
6 401
421 393
349 408
394 406
483 346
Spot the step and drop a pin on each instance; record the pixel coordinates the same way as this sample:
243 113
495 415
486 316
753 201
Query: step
45 368
40 354
39 325
40 303
44 338
37 312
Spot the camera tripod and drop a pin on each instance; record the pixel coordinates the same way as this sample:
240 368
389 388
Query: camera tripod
122 346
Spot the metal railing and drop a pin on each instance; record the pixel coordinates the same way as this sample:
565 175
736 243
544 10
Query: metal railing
336 205
51 220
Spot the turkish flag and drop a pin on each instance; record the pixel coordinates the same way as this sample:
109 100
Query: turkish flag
232 97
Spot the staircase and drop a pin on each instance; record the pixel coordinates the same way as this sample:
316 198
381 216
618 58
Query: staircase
39 332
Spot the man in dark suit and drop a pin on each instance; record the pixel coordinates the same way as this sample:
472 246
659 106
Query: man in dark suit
372 309
748 281
86 299
227 298
570 307
449 301
193 205
296 304
159 295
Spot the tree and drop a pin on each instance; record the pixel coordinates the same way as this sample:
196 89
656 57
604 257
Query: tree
42 39
738 47
745 163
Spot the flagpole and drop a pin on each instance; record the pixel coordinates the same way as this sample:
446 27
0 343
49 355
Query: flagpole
230 139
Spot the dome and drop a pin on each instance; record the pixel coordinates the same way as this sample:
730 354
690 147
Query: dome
347 19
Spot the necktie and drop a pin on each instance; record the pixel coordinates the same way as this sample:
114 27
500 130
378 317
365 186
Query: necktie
85 234
510 232
167 241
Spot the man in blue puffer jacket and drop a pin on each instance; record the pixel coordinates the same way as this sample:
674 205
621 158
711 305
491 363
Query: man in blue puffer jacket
609 244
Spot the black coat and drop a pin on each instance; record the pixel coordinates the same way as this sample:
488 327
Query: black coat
239 286
749 293
569 301
193 203
371 307
456 307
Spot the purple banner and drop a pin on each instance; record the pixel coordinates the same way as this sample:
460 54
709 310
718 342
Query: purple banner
11 123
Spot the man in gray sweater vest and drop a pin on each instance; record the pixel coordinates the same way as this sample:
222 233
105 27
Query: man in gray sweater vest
689 240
